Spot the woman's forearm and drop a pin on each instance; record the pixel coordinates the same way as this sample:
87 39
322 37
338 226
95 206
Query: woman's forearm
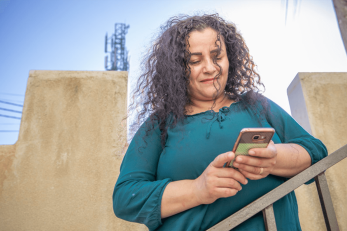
291 160
177 197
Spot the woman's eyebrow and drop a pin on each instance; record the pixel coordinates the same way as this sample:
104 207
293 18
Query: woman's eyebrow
214 51
199 53
196 53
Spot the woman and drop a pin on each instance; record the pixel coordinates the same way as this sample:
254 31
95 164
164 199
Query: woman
200 89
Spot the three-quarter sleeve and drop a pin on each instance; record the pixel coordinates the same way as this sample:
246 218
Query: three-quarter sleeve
289 131
137 194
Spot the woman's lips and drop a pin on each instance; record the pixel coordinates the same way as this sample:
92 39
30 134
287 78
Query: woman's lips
207 81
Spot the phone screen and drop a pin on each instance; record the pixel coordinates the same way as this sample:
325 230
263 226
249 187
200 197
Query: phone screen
243 148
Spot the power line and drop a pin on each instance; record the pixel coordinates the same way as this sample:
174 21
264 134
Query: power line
12 117
4 109
12 100
11 103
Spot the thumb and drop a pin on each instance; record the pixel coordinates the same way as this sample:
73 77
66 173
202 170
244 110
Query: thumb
221 159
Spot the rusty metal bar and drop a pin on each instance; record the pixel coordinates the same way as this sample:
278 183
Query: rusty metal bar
279 192
269 218
326 202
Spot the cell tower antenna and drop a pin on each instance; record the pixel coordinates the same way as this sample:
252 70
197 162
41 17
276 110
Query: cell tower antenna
117 57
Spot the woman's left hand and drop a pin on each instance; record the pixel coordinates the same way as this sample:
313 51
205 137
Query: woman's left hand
259 163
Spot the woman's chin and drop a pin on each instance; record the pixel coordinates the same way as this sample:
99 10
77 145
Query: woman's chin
210 96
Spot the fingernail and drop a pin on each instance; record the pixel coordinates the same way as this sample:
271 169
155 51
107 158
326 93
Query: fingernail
239 159
236 164
246 182
230 154
240 189
251 152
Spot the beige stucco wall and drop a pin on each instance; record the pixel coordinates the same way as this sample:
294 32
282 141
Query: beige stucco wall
61 172
318 103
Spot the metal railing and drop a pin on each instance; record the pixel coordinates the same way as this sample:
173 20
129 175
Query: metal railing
265 202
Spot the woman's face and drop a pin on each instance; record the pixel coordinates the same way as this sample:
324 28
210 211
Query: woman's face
203 49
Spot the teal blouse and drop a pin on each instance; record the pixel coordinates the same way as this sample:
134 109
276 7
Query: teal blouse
191 146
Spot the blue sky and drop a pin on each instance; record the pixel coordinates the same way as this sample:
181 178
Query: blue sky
69 35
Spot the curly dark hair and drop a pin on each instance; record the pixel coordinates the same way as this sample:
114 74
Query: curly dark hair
161 91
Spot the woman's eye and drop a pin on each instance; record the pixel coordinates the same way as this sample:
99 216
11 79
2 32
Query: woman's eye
194 62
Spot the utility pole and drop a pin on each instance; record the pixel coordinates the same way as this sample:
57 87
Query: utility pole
341 15
117 58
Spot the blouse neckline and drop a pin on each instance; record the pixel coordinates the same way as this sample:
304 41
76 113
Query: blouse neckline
225 108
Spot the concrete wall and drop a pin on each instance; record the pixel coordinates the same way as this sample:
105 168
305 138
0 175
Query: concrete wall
61 172
318 103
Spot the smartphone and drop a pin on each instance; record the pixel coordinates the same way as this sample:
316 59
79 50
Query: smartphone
251 138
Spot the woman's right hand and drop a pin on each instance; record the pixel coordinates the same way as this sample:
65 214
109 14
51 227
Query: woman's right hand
217 182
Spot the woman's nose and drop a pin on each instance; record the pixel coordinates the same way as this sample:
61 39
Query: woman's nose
209 66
